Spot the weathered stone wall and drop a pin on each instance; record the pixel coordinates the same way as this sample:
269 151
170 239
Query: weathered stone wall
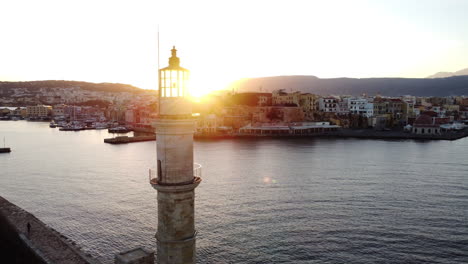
12 247
41 244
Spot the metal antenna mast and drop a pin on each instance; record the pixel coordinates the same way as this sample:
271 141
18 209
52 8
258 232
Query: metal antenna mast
159 79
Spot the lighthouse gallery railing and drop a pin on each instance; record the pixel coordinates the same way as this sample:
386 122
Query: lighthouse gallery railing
153 173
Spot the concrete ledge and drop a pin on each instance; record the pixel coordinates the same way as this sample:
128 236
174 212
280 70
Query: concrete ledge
138 255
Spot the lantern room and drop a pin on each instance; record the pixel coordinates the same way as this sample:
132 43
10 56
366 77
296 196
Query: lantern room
173 79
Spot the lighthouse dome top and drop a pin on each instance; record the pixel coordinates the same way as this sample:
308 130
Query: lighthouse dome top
174 61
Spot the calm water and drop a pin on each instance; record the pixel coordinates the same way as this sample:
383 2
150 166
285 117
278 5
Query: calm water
261 201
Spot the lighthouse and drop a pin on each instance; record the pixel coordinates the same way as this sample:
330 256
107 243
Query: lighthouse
175 176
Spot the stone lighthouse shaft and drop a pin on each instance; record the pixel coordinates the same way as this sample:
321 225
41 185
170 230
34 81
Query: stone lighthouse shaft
176 176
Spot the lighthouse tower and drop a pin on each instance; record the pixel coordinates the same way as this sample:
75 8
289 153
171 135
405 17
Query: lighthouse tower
176 176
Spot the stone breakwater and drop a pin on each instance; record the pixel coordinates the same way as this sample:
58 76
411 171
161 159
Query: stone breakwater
26 239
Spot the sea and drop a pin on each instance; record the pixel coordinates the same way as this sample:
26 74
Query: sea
264 200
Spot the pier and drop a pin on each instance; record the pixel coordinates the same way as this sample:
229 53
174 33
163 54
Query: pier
126 139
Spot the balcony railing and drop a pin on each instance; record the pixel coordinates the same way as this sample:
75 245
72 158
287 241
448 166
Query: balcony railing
153 173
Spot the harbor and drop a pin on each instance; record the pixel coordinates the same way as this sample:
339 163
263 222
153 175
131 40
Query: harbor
342 133
330 181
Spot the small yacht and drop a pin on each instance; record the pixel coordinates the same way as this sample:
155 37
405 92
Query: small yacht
73 126
4 149
119 129
99 125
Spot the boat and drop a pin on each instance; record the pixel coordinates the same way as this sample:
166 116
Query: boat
52 124
453 126
4 149
61 123
98 125
119 129
73 126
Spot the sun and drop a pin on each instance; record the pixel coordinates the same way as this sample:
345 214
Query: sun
201 83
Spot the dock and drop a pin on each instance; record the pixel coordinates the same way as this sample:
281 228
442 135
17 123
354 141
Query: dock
126 139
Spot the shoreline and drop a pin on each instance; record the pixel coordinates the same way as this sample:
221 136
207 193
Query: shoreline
350 133
345 133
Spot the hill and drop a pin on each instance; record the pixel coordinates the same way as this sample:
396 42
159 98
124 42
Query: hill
102 87
352 86
449 74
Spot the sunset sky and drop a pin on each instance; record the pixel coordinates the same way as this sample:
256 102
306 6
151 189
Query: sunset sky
222 41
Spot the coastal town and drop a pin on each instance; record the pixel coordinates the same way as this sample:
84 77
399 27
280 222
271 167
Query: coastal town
230 113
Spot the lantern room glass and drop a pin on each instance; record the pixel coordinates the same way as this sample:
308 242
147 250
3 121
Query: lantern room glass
173 82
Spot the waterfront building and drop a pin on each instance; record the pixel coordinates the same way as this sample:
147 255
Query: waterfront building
360 106
328 104
451 107
288 129
269 114
209 124
236 116
408 109
251 99
343 108
426 125
19 112
307 102
464 102
175 177
59 111
438 109
264 99
390 106
39 111
4 111
280 97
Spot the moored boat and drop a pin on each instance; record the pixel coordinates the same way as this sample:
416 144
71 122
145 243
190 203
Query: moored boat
73 126
5 150
119 129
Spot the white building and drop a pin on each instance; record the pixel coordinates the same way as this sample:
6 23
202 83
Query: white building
361 106
328 104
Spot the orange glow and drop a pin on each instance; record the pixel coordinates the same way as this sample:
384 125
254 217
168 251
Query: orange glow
218 47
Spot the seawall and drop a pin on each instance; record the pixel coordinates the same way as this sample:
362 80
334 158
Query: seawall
41 244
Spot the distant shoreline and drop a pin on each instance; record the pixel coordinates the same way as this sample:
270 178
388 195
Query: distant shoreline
343 133
352 133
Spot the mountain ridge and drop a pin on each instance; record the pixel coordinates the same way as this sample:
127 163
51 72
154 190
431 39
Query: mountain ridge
457 85
103 87
449 74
